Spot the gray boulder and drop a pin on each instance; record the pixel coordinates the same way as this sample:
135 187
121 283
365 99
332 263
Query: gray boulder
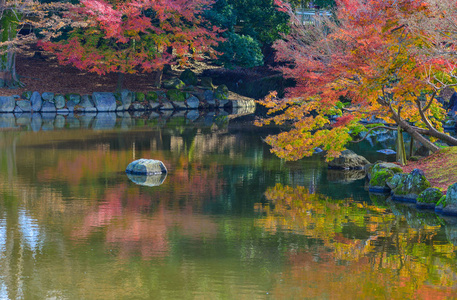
48 96
7 103
209 98
166 105
86 105
127 97
17 110
410 186
348 160
146 167
193 102
136 106
48 107
27 95
72 101
59 101
104 102
24 105
36 101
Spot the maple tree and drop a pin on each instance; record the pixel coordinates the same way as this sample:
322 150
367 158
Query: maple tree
17 18
385 57
134 35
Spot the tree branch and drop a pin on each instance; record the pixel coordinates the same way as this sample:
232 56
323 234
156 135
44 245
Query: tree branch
371 129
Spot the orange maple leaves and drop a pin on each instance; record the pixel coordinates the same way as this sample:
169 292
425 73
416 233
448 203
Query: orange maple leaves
369 55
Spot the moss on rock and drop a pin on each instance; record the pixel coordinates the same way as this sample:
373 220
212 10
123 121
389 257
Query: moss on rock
379 178
176 96
410 186
430 195
140 97
152 96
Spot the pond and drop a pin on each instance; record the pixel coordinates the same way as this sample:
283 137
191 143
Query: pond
229 221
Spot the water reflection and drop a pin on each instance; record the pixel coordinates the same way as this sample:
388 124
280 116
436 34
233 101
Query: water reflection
360 250
147 180
72 225
109 120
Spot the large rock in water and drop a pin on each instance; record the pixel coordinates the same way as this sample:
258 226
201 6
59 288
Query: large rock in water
348 160
380 175
146 167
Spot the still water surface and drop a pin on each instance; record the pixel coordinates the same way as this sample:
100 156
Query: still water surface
230 221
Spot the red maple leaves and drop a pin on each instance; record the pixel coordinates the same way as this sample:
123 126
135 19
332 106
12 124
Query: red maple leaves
134 35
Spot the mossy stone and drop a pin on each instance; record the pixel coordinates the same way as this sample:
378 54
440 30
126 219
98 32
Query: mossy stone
429 198
411 186
139 96
395 168
174 83
395 180
379 178
176 96
27 95
430 195
222 92
152 96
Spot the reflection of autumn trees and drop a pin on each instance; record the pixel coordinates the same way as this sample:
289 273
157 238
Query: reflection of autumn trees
359 250
131 224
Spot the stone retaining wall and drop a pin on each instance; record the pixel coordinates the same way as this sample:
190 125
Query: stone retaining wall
172 99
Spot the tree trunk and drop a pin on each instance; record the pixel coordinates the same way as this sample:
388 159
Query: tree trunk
157 78
415 134
120 82
8 75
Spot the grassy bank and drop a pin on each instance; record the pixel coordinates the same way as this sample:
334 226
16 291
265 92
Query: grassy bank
440 168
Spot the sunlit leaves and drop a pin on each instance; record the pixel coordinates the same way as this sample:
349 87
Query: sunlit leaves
376 54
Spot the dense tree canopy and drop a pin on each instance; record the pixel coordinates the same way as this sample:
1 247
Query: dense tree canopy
251 26
389 58
134 35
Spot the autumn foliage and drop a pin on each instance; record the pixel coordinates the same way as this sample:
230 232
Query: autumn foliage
384 57
134 35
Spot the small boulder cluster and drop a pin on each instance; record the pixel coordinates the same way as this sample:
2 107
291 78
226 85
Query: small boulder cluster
413 187
179 94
